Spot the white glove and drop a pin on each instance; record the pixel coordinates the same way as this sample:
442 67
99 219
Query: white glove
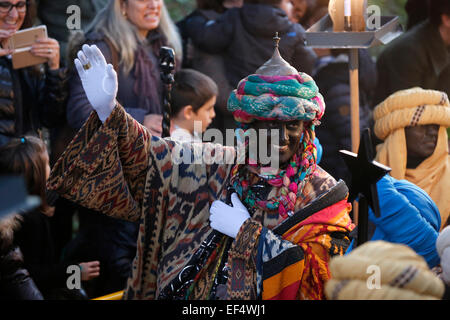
228 220
443 249
99 80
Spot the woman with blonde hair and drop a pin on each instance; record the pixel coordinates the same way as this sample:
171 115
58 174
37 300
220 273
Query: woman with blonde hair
130 34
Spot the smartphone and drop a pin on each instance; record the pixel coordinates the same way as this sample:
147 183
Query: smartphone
21 43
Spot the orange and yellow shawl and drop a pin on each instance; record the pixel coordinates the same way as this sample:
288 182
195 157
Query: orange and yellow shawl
291 261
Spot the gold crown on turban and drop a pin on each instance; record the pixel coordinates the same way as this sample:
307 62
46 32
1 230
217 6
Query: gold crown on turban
411 107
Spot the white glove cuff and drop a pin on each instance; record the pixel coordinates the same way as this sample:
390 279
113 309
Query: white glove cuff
104 113
239 223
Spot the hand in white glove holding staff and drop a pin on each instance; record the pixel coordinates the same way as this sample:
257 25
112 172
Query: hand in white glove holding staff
99 80
228 219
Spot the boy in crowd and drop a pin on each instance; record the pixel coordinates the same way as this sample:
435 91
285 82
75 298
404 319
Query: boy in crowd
193 98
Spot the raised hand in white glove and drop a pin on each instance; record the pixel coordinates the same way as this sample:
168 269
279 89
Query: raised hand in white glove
99 80
226 219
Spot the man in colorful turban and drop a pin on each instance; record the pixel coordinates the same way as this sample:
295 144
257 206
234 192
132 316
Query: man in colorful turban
275 244
299 213
412 124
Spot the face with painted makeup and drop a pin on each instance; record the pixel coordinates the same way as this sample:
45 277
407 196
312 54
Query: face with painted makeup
290 135
420 143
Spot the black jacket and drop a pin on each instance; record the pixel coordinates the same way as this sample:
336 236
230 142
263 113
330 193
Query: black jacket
418 58
15 280
30 99
35 241
334 133
209 64
245 37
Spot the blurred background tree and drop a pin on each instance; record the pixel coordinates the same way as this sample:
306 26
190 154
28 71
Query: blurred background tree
179 8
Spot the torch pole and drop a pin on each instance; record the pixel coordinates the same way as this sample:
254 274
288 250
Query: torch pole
354 110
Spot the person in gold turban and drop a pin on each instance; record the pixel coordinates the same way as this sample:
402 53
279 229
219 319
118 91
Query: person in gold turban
285 223
412 124
379 270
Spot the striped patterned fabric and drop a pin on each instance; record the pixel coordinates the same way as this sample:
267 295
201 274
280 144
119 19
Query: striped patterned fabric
300 271
290 260
118 168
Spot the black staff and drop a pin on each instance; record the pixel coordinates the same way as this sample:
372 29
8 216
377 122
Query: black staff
167 64
365 174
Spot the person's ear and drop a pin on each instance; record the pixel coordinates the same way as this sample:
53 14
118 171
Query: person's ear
188 112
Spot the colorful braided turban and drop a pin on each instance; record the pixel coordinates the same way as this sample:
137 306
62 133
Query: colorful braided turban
381 270
291 97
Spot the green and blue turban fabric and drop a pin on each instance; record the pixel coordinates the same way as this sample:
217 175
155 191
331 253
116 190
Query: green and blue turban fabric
285 98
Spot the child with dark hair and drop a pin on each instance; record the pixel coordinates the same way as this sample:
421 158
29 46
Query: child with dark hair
28 156
211 64
193 99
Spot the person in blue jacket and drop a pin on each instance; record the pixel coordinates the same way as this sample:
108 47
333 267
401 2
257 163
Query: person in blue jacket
407 216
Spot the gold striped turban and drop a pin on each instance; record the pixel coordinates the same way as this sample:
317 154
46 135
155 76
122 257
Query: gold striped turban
380 270
413 107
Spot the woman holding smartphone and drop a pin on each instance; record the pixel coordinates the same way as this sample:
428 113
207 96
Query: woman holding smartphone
32 97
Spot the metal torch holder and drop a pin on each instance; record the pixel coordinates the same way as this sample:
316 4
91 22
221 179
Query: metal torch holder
321 35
